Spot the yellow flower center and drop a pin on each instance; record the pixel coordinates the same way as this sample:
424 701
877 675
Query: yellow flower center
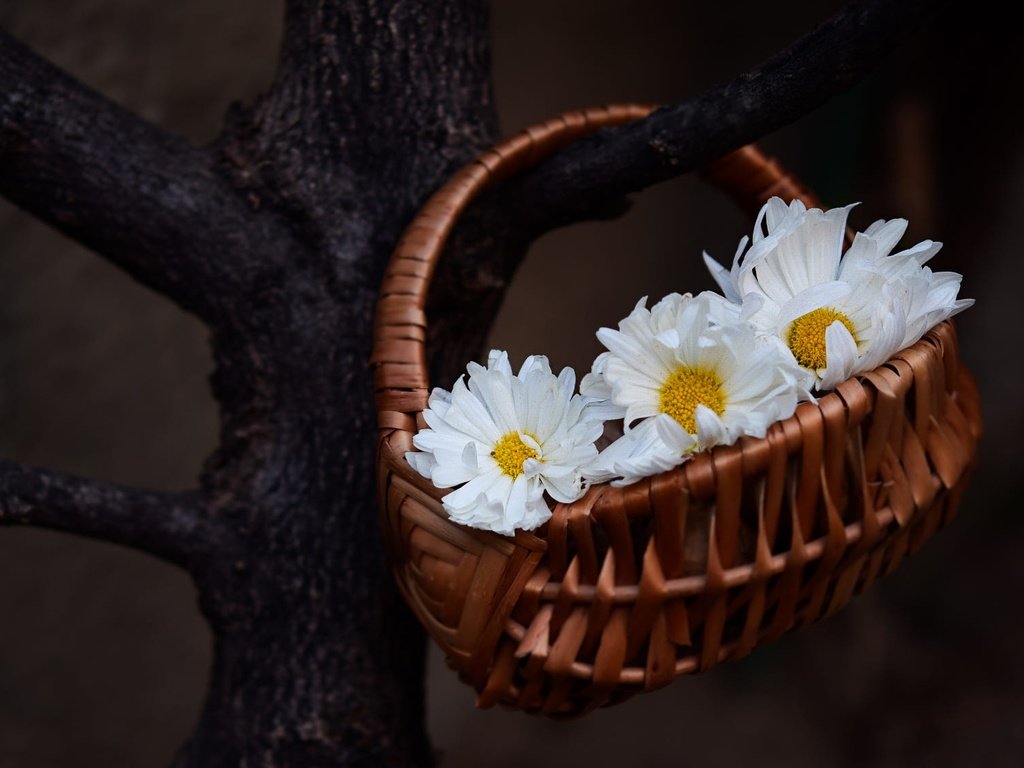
510 452
685 389
807 336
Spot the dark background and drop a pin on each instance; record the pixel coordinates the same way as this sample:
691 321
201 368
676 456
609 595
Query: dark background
103 654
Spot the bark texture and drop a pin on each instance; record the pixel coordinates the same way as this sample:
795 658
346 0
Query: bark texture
318 663
276 236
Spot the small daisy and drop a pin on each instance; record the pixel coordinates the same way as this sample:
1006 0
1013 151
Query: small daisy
694 375
838 315
507 438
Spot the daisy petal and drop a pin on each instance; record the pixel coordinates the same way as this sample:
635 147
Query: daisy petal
841 354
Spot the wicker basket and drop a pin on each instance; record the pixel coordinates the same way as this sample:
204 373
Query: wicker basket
628 588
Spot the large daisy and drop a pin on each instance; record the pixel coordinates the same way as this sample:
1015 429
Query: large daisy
505 439
838 315
684 376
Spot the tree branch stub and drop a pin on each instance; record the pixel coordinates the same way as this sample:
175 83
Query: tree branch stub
172 526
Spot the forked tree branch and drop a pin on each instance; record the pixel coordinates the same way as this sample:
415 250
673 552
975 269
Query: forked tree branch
173 527
591 178
145 199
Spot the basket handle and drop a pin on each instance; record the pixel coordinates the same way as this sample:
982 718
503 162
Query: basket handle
399 357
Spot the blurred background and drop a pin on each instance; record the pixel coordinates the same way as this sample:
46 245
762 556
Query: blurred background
103 654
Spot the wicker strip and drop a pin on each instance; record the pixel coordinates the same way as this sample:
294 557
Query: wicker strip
628 588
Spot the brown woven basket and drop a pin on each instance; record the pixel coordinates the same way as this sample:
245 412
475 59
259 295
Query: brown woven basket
627 588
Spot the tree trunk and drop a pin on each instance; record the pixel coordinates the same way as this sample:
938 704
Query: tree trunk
318 661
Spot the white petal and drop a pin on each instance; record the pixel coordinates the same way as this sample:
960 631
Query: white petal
921 253
490 485
823 295
672 434
423 463
469 457
497 360
887 233
637 454
722 276
565 489
776 211
495 390
710 428
468 414
840 354
888 331
807 256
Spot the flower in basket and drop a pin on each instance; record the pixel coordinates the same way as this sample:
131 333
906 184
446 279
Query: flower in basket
838 314
684 376
505 439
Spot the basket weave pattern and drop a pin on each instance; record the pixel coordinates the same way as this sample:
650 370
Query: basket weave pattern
628 588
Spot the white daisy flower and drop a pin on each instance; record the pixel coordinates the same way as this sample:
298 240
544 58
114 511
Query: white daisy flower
506 439
695 375
838 315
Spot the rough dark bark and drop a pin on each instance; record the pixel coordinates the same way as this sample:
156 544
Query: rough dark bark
171 526
276 235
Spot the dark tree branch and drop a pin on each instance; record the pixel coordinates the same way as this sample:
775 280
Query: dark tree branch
145 199
592 177
173 527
